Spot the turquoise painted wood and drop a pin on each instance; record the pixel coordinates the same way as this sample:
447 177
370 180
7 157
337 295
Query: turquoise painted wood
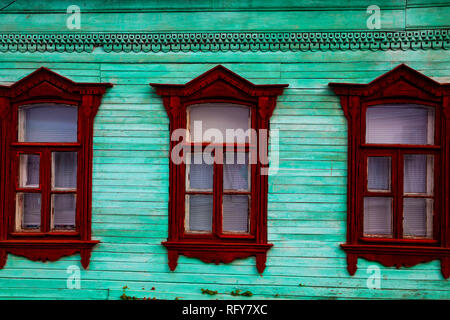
307 196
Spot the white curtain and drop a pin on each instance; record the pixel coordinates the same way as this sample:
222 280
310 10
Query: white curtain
378 216
64 206
235 213
219 116
29 204
65 170
200 212
200 176
29 170
418 217
418 179
48 123
418 173
400 124
65 177
379 173
235 171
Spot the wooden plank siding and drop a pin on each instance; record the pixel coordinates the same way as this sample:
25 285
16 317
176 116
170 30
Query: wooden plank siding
223 15
307 197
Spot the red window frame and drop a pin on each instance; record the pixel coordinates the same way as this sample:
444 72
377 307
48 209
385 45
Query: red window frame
218 85
402 85
46 86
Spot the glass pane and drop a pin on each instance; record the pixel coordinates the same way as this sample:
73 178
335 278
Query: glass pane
379 174
235 213
29 171
28 211
378 216
64 211
219 116
418 173
48 123
235 171
417 217
64 170
199 175
199 209
400 124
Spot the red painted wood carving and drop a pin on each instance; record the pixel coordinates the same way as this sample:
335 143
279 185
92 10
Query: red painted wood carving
46 243
218 85
402 85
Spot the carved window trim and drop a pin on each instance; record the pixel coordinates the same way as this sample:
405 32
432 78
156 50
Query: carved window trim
217 85
46 86
400 85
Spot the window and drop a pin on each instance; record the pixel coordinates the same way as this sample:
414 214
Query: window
225 180
218 192
46 140
398 169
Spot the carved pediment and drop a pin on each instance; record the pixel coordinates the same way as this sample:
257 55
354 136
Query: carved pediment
219 89
402 81
45 89
218 82
44 82
402 88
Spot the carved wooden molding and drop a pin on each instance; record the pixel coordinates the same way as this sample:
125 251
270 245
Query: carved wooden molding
218 85
46 250
46 86
400 85
226 41
217 252
398 256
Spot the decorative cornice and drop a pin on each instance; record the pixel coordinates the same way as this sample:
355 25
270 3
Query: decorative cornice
226 41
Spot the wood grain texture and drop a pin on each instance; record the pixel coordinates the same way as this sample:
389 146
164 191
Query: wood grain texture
307 197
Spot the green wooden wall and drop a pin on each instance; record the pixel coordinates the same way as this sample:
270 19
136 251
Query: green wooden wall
307 197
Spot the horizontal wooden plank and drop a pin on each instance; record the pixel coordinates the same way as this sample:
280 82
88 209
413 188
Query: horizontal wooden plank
292 20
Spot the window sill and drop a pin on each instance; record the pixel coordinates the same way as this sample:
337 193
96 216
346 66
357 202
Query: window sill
47 250
217 252
397 255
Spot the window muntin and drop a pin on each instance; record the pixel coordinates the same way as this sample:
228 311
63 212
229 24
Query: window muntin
400 124
48 123
234 193
405 178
